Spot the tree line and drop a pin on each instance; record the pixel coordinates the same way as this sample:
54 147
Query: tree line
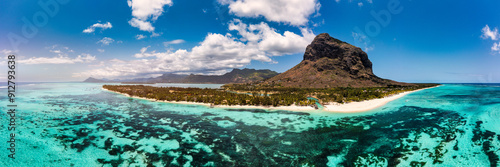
211 96
251 94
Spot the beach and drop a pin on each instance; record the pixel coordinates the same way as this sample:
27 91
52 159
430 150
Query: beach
367 104
332 107
290 108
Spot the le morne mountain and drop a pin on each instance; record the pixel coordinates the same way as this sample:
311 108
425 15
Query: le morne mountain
235 76
328 63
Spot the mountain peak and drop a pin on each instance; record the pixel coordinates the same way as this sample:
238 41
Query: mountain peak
325 37
94 80
330 62
324 45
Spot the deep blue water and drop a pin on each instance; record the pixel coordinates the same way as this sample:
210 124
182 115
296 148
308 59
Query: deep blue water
79 124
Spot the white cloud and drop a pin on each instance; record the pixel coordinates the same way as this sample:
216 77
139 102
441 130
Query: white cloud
8 52
268 40
143 53
56 51
148 9
361 39
293 12
141 24
496 47
61 57
82 58
106 41
140 36
359 3
145 11
177 41
61 51
101 50
488 33
92 28
153 34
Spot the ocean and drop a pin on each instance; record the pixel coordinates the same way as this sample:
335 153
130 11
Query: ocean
79 124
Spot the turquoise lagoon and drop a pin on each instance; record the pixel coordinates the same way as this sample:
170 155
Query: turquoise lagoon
79 124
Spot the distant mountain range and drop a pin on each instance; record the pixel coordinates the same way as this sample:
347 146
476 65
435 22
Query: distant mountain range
235 76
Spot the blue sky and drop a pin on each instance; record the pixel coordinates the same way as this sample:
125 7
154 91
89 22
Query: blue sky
409 41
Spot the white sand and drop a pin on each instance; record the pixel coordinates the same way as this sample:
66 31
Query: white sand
365 105
332 107
289 108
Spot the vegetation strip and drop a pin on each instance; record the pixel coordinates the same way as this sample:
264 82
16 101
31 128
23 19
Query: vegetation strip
242 94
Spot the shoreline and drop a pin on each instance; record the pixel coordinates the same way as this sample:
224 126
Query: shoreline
367 104
332 107
289 108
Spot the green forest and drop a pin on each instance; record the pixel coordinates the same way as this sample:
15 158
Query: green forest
249 94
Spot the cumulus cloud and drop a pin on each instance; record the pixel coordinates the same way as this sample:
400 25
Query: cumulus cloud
360 4
213 55
56 51
496 47
488 33
8 52
143 53
177 41
92 28
145 12
61 57
362 39
268 40
141 24
82 58
140 36
153 34
106 41
293 12
4 53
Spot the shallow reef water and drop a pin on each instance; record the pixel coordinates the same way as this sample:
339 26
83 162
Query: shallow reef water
79 124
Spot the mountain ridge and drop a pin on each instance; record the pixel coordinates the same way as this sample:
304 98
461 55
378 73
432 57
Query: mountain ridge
235 76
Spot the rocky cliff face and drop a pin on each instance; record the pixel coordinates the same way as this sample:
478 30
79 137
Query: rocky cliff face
329 62
347 57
